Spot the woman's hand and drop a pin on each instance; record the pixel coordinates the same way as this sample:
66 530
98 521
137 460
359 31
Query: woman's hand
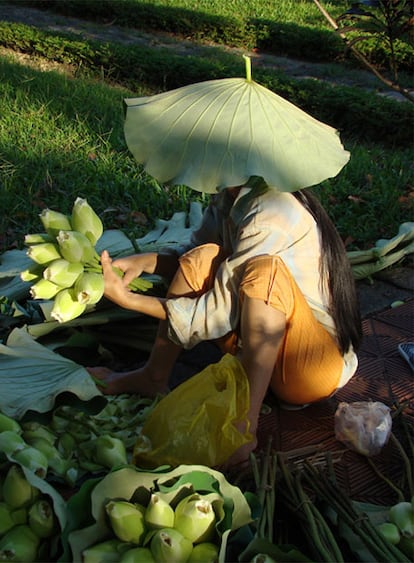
116 288
134 266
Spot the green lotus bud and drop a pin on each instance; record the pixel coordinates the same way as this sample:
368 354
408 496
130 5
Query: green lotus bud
75 247
6 520
66 444
37 238
86 221
89 288
19 544
32 274
195 518
138 555
44 253
8 423
159 514
390 532
110 452
263 558
41 518
55 461
54 221
170 546
63 273
66 307
205 552
402 515
127 520
11 442
44 289
33 430
103 552
33 459
17 491
19 515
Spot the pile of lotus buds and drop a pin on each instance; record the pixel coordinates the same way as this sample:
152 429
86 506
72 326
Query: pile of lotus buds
67 266
399 528
28 523
159 532
75 443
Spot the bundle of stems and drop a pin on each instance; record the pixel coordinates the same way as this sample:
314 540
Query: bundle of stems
265 483
326 490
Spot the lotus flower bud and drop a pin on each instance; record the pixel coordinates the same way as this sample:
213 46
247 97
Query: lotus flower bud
75 247
33 430
55 461
66 307
42 518
63 273
159 514
402 515
44 253
106 551
390 532
263 558
11 442
6 520
195 518
86 221
17 491
205 552
8 423
138 555
19 544
170 546
37 238
89 288
127 520
66 444
32 274
44 289
110 451
54 221
33 459
19 515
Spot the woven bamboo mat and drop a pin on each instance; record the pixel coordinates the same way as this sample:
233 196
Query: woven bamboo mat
382 375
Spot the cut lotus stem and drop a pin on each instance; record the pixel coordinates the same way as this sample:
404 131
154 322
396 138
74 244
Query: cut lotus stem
86 221
19 544
170 546
248 65
127 520
159 514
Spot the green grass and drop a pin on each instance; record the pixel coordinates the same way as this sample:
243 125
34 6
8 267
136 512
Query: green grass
61 138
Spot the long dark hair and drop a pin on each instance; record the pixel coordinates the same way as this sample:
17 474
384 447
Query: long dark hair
336 269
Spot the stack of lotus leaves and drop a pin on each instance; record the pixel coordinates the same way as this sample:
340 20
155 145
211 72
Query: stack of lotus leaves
159 532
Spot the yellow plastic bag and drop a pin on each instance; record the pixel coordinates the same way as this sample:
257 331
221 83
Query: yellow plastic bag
194 424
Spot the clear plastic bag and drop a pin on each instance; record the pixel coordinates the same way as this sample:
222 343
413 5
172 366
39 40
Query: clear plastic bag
364 427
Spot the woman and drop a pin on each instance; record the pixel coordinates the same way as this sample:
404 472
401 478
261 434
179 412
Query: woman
268 278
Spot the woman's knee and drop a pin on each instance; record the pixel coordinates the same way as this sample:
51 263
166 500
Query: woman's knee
199 266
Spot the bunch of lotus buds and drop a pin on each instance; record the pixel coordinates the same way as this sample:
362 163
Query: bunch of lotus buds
27 519
67 266
75 443
399 527
159 532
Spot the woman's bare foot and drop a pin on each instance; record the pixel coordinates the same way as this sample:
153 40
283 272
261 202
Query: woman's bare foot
138 382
